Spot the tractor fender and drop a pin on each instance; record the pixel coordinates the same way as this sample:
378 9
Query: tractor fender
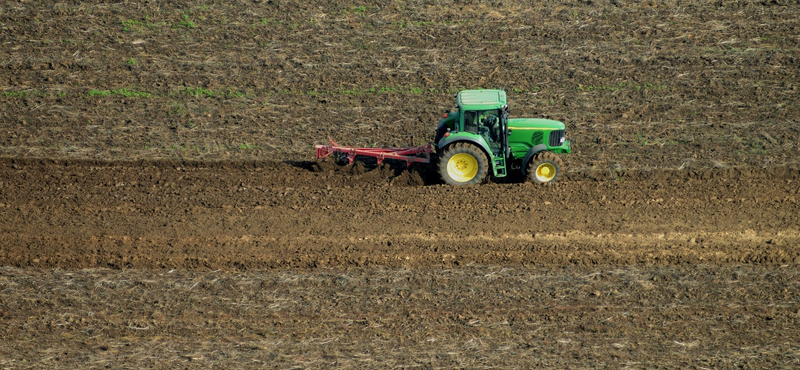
530 154
444 142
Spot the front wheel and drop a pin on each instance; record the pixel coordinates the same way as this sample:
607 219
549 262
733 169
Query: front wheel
544 168
463 164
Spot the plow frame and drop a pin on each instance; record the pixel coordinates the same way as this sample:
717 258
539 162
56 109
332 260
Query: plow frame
419 154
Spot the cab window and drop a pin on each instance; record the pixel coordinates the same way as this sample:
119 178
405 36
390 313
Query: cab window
471 122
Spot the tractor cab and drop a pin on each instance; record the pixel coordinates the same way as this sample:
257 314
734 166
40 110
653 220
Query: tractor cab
489 124
480 120
479 113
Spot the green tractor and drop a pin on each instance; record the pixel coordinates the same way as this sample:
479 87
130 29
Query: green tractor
478 138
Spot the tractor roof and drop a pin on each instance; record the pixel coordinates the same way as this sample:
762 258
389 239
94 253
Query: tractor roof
481 99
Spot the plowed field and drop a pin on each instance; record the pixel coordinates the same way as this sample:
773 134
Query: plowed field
160 206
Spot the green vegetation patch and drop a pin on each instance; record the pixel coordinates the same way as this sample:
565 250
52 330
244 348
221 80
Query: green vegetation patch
621 86
128 93
186 22
32 93
16 94
199 91
359 91
132 25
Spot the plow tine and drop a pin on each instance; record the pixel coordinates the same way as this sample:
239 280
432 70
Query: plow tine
420 154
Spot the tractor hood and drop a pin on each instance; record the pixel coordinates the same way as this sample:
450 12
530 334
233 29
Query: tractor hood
534 124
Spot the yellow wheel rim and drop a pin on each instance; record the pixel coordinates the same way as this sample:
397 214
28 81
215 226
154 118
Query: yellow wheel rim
462 167
546 172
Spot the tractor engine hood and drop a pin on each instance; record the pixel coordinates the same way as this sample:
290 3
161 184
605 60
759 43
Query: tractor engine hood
535 124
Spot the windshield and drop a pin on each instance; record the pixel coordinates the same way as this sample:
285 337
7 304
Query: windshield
483 122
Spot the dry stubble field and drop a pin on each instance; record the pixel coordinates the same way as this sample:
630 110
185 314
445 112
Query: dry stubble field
160 205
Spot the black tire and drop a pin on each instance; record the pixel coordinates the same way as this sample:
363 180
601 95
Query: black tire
544 168
456 167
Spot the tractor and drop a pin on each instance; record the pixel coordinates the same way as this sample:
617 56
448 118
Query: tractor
478 139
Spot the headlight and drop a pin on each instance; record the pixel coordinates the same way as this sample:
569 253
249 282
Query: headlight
562 140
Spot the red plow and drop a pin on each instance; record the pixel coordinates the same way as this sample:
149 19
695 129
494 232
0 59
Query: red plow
419 154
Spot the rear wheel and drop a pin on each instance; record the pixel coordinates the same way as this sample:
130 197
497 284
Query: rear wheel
544 168
463 164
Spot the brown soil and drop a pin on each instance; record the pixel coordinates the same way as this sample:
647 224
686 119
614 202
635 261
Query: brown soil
351 267
208 216
190 226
